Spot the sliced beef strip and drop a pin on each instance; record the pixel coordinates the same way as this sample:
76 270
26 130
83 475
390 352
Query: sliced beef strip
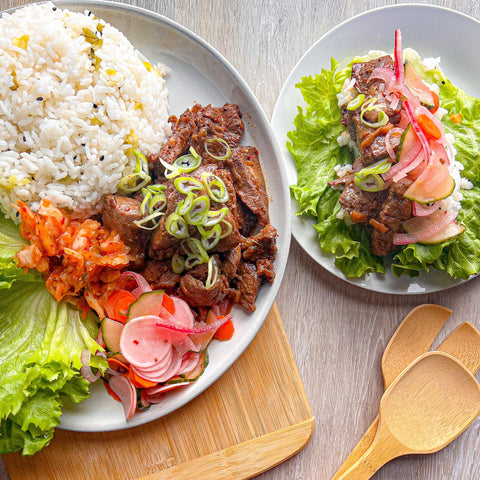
196 294
248 285
250 187
377 150
363 134
246 219
160 274
230 241
235 128
266 270
365 205
231 261
224 122
262 245
119 213
194 127
361 72
162 244
177 144
395 210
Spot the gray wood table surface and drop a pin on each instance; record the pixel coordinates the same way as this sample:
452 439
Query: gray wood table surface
337 331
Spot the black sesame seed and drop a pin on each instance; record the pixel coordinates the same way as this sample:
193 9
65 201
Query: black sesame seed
102 158
39 99
83 144
95 105
24 139
54 9
75 157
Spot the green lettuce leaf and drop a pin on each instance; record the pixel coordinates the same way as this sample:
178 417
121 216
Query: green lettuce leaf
40 346
315 151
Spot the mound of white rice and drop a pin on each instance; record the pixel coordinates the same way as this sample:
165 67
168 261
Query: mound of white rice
75 99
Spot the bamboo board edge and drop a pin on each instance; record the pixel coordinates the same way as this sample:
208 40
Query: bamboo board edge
244 460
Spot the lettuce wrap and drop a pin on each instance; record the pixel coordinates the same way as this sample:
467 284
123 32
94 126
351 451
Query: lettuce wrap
315 150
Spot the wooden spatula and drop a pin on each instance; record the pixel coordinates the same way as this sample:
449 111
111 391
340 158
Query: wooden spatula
427 406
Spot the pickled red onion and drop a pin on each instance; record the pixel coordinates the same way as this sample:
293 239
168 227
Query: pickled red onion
417 129
398 53
85 369
142 284
439 226
384 74
414 155
420 210
388 144
408 168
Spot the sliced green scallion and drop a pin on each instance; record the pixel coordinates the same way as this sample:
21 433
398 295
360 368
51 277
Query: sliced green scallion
178 264
356 102
369 178
187 163
146 197
370 183
157 202
215 216
192 246
141 164
150 222
377 168
198 211
184 206
381 120
227 228
187 184
210 238
192 260
154 199
228 151
170 170
133 182
215 187
212 275
176 226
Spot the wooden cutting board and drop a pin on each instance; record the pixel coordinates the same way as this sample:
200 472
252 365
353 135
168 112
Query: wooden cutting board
251 419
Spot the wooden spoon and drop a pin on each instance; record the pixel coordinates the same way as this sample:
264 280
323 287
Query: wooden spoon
413 337
426 407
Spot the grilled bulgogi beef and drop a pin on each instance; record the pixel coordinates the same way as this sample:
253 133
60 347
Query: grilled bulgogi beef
384 211
245 256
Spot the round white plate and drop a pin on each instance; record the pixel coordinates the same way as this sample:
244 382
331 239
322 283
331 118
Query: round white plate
198 74
433 32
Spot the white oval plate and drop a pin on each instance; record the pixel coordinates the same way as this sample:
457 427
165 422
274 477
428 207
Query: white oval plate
433 32
198 74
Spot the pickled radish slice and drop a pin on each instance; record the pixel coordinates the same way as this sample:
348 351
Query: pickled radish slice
142 343
182 317
164 373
